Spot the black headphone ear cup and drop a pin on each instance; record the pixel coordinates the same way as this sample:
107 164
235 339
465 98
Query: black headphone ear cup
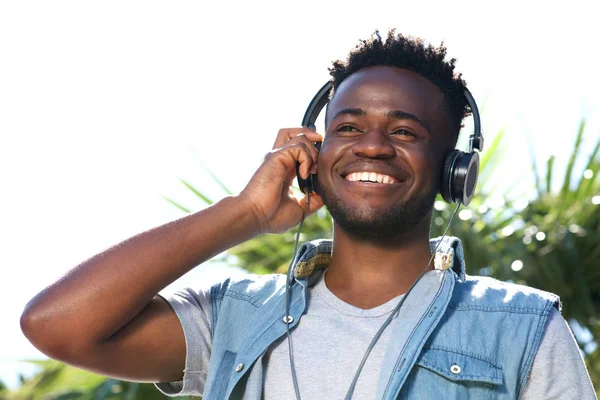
460 177
315 177
446 187
466 174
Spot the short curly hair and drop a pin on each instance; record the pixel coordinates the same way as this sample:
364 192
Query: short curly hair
413 54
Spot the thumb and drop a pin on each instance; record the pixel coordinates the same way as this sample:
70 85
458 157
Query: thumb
315 202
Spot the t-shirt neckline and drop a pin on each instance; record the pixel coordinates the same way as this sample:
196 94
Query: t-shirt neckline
320 289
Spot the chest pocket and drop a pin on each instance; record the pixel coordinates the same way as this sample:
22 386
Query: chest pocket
448 374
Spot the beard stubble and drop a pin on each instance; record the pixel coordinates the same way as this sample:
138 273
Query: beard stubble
368 223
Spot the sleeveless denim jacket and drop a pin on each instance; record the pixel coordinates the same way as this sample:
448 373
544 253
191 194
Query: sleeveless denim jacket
476 340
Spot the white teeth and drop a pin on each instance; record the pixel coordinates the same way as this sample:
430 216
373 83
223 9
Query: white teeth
370 177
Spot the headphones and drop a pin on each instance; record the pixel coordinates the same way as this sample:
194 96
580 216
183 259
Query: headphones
460 169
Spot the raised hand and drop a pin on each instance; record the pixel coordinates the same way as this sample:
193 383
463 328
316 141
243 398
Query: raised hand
276 206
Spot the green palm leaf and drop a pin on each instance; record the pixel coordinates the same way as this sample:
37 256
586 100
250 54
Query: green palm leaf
556 236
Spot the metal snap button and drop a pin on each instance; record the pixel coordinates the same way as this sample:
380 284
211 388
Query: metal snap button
239 367
288 319
455 369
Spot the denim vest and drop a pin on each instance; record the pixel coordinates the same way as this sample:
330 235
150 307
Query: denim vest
476 340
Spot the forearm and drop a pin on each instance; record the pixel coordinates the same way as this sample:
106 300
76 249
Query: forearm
101 295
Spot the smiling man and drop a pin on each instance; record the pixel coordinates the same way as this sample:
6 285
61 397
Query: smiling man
354 332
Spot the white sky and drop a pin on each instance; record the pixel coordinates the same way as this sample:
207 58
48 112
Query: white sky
104 105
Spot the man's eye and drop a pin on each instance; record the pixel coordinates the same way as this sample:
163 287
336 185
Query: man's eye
403 132
347 128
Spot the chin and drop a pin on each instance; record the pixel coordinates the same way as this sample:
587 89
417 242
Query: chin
370 223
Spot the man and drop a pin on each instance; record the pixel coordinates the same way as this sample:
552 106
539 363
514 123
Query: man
394 115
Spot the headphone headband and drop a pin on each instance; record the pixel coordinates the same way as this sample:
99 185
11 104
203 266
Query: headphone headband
476 139
459 175
316 105
321 99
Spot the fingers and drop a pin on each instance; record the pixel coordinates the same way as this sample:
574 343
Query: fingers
286 134
299 151
309 165
300 146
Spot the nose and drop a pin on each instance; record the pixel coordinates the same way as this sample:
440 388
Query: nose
374 144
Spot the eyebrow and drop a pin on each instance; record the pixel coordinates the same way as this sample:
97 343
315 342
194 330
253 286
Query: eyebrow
396 114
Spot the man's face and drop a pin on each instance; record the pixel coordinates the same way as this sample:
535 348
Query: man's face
380 163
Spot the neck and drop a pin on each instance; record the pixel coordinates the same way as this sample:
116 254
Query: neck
368 273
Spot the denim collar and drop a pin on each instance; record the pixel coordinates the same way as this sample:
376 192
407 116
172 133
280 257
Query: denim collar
315 255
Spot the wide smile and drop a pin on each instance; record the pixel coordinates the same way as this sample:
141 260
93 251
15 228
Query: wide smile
371 177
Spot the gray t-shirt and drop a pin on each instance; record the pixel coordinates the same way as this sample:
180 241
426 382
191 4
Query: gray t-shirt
332 337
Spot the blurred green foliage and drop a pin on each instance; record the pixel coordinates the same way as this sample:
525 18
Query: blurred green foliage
550 241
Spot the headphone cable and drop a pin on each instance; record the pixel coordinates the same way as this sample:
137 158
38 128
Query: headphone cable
288 319
395 312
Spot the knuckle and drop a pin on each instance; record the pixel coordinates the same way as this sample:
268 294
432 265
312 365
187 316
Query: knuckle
286 135
299 150
270 154
277 153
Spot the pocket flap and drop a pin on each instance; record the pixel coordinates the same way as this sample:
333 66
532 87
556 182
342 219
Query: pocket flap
458 366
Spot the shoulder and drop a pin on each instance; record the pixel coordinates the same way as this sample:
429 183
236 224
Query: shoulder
558 369
485 293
